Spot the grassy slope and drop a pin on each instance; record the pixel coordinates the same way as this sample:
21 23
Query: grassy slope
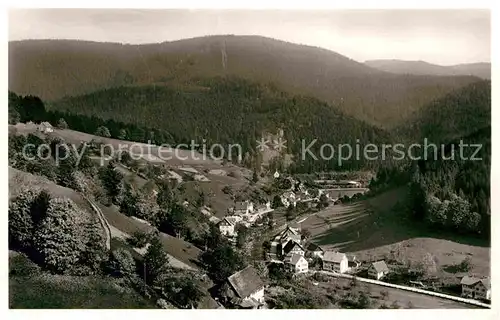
370 229
19 180
46 291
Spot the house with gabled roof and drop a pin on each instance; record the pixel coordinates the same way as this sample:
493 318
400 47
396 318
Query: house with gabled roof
476 288
335 261
249 288
296 263
227 226
292 247
45 127
378 270
243 208
290 233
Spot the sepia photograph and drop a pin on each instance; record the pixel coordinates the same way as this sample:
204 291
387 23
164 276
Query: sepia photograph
249 159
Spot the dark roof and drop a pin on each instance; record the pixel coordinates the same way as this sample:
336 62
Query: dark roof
314 247
246 282
380 266
289 246
332 256
467 280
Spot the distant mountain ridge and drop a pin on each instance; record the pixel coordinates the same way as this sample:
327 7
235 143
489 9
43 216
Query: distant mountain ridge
53 69
481 69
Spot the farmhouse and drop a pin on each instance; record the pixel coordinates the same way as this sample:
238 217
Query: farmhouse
296 263
335 261
248 287
227 226
290 233
378 270
243 208
476 288
293 247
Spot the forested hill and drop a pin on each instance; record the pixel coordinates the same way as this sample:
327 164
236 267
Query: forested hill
52 69
458 114
481 69
221 110
453 191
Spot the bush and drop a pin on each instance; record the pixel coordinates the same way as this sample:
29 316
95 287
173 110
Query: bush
139 239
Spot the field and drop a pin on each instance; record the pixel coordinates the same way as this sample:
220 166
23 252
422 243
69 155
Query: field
377 228
177 248
40 290
403 299
19 181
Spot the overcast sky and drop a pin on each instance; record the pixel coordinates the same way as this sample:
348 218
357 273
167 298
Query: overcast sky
438 36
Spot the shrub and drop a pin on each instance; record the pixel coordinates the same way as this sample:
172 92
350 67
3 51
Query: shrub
139 239
122 263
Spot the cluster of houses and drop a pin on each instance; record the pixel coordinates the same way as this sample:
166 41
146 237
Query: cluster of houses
245 213
288 248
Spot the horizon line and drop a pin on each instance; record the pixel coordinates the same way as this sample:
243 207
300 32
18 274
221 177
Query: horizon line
244 35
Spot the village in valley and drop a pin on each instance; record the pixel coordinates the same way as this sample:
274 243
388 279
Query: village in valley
213 172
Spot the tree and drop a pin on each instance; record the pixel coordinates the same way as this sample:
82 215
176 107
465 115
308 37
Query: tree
57 240
21 224
323 201
102 131
61 124
222 261
305 234
290 212
465 265
471 221
184 291
139 239
277 203
122 134
242 236
155 261
112 181
122 263
255 177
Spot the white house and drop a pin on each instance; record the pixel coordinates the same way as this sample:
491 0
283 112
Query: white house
378 270
296 263
476 288
335 261
45 127
248 287
227 226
